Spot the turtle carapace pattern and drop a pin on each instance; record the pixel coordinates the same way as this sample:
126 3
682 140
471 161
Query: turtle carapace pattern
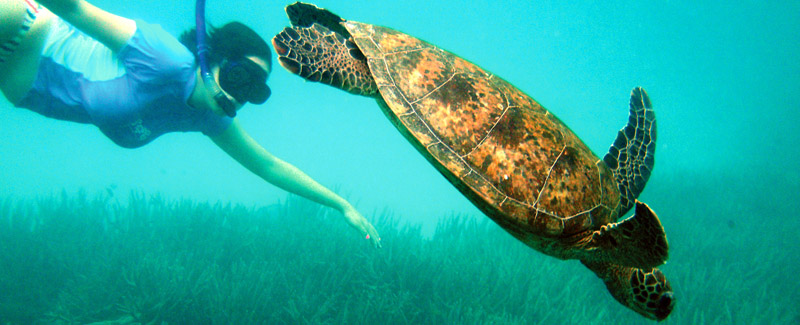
512 158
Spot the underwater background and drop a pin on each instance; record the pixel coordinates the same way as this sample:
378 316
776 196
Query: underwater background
177 232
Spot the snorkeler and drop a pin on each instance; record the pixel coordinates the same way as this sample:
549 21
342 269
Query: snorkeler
69 60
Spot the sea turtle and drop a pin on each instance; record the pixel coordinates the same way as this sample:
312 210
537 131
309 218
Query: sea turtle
513 159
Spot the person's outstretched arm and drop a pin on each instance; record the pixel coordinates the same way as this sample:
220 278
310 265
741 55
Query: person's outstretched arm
240 146
111 30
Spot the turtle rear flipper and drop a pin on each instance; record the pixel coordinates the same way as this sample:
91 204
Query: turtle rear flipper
638 241
318 54
631 157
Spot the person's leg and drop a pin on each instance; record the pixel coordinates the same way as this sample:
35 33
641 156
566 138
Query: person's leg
16 18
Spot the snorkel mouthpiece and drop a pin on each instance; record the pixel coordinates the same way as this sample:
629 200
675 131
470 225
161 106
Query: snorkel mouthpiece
222 100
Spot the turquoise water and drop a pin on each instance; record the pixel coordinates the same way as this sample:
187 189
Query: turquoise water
723 78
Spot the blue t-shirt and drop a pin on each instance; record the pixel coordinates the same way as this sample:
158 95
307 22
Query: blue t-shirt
132 96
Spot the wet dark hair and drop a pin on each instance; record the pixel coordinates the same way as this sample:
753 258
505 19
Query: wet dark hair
232 40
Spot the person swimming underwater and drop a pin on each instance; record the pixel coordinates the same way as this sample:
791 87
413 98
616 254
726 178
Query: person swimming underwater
69 60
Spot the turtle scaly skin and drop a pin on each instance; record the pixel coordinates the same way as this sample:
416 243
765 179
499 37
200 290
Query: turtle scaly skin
512 158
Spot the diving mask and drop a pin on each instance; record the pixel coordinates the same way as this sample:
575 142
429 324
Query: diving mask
244 80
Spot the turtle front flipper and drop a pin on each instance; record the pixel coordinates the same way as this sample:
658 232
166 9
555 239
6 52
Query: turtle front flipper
306 15
645 291
321 55
631 157
638 241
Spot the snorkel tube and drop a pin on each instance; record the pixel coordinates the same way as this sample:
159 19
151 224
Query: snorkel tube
202 55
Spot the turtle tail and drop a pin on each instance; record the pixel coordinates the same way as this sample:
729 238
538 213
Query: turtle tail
645 291
318 54
631 157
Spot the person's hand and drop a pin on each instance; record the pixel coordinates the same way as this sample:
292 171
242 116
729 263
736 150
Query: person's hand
363 226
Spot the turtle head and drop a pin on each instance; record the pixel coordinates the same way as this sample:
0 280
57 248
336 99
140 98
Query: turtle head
649 294
646 291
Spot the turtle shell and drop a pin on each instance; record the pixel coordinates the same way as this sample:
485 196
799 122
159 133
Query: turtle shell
511 157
